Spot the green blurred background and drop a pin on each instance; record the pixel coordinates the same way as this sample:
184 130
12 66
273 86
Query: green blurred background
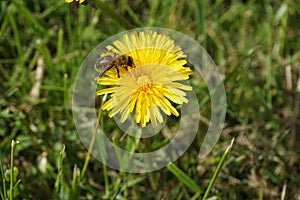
255 45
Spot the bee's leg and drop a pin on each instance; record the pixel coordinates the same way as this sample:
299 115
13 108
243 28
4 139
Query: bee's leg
118 72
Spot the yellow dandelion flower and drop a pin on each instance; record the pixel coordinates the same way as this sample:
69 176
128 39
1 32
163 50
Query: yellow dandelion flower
152 84
70 1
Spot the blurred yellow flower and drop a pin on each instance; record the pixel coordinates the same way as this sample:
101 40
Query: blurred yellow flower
70 1
152 84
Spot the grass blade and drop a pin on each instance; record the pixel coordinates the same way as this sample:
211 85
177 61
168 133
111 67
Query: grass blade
11 188
113 14
4 195
29 16
218 169
199 11
183 177
15 29
75 183
60 169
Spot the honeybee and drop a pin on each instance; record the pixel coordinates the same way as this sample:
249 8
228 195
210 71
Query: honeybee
113 60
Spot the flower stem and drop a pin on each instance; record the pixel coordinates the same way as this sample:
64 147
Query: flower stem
87 159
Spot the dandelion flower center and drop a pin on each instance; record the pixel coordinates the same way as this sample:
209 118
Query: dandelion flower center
144 82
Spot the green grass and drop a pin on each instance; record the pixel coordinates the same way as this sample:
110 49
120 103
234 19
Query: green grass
42 46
